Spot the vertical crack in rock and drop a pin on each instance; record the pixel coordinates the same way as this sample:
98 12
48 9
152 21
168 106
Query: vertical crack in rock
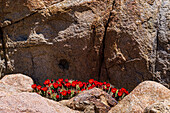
3 47
102 59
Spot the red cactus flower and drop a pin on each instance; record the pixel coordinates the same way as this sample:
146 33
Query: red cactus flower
126 92
38 87
81 85
96 83
100 83
104 83
91 81
68 84
60 80
119 93
44 88
57 96
66 80
123 90
107 85
64 92
50 84
113 90
74 84
34 86
68 92
52 80
52 91
93 86
47 82
83 89
90 87
55 85
60 85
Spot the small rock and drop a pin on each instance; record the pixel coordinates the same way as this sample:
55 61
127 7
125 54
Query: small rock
16 83
91 101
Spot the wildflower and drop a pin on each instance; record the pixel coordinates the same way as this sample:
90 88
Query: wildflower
107 85
91 81
66 80
44 88
64 92
57 96
113 90
74 84
38 87
119 93
34 86
60 80
55 85
47 82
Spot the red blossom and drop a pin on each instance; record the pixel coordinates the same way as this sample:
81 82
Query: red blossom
47 82
55 85
104 83
123 90
126 92
83 89
81 85
113 90
91 81
74 84
68 92
119 93
38 87
60 80
66 80
107 85
52 91
44 88
52 80
50 84
64 92
68 84
57 96
34 86
60 85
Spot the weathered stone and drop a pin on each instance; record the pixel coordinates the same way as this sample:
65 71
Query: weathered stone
144 95
16 83
30 103
121 41
91 101
61 40
158 107
162 65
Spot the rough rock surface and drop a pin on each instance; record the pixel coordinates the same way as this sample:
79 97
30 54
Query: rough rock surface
158 107
30 103
122 41
146 94
91 101
16 83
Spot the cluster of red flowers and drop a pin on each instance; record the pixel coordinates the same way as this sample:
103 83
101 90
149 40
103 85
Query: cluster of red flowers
65 89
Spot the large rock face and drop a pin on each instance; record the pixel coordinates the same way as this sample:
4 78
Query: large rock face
121 41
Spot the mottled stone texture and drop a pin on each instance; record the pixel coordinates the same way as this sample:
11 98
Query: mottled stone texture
121 41
91 101
148 97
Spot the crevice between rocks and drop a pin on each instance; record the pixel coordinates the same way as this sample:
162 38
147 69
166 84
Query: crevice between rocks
3 42
102 59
